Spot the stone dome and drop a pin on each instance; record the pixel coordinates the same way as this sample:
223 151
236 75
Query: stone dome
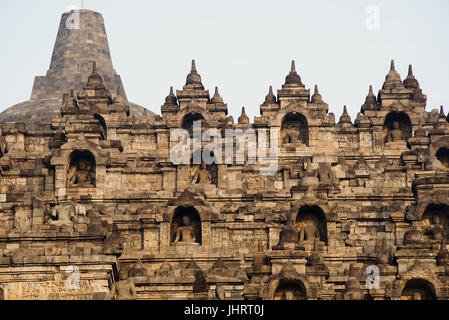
412 237
71 68
42 111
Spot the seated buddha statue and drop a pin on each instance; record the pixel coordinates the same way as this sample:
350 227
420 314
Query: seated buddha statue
81 173
186 233
395 134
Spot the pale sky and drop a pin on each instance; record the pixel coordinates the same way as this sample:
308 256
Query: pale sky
240 46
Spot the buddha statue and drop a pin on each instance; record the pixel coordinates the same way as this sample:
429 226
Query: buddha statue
81 173
202 175
186 233
435 230
309 176
309 232
291 136
290 292
288 237
395 134
288 295
124 289
432 163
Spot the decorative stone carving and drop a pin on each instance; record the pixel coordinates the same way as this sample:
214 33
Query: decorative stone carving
165 270
138 270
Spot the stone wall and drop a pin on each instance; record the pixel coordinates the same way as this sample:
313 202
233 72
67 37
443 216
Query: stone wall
108 200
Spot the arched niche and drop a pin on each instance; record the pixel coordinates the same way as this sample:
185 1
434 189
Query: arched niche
295 128
435 221
418 289
290 290
189 119
81 169
185 227
102 123
312 223
397 127
443 156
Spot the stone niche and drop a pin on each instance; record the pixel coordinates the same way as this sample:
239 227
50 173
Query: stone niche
295 129
290 290
397 127
81 169
435 221
443 156
186 223
188 121
312 224
185 227
418 289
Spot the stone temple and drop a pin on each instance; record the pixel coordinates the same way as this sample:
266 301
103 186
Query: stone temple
93 207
